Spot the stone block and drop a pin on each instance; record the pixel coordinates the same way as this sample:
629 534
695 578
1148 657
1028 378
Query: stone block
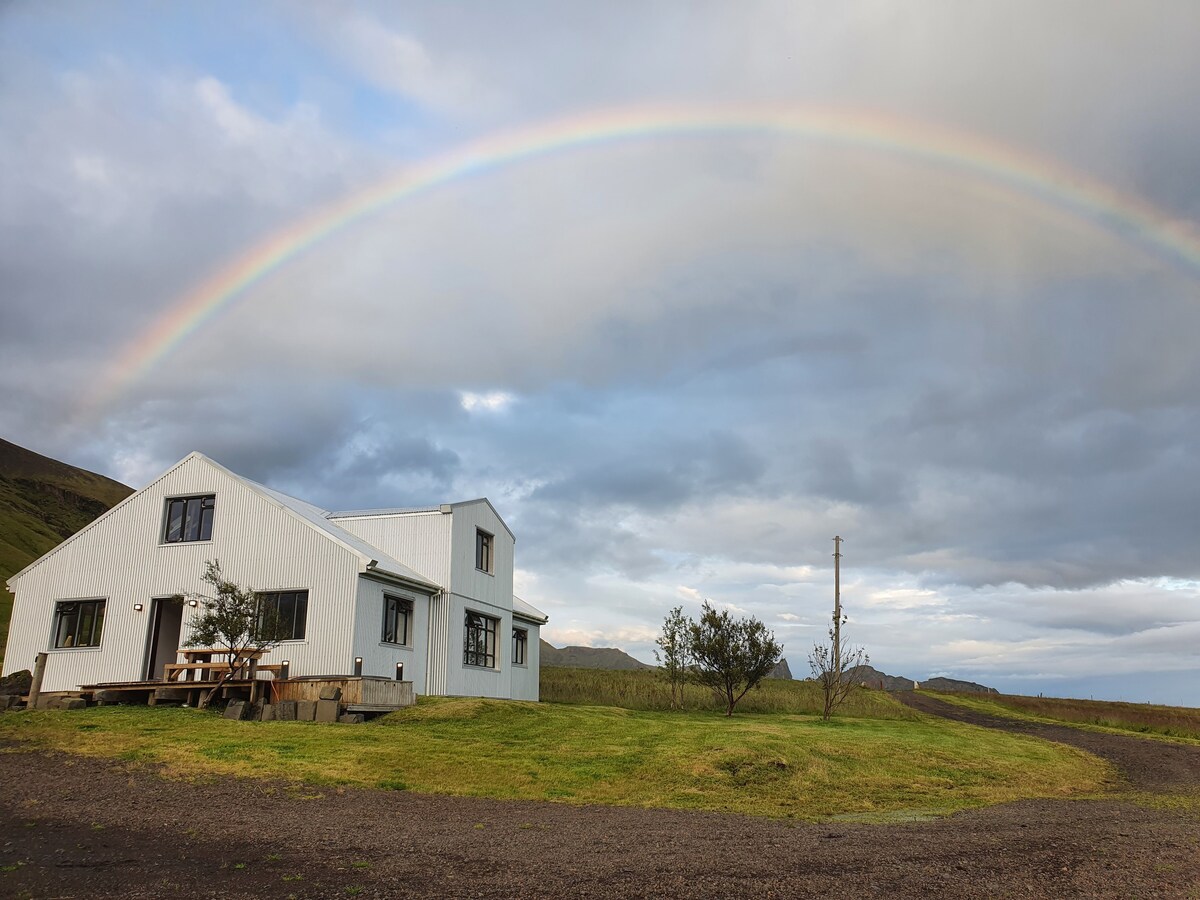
235 710
74 703
306 710
255 711
285 710
332 692
8 701
268 712
351 718
327 710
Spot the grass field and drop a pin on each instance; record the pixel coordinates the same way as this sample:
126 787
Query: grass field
772 765
645 689
1174 722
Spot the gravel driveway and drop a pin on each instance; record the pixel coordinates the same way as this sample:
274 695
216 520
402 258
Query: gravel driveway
79 827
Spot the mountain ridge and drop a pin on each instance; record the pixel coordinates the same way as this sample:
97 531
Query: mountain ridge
42 503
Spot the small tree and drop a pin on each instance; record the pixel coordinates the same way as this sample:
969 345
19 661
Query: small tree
234 621
731 655
835 669
674 658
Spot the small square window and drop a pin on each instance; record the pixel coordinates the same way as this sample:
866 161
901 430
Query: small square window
189 519
483 550
78 623
397 621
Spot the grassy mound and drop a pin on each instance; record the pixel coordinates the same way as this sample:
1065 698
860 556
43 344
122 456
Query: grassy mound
777 765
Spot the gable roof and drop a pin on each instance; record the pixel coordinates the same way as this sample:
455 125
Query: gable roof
317 518
374 559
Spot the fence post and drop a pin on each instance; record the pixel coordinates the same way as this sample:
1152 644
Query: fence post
39 671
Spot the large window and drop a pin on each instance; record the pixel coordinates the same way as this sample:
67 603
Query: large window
283 614
397 620
189 519
483 550
520 646
480 641
78 623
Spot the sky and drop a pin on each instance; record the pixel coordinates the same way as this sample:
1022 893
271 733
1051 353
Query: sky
684 289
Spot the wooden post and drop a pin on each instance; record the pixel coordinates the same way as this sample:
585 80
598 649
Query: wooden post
39 671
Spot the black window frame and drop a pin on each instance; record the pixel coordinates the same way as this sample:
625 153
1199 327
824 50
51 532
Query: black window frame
299 610
195 519
479 640
76 609
520 648
394 609
485 551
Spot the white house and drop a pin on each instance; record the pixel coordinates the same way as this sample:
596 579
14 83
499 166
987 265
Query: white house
428 588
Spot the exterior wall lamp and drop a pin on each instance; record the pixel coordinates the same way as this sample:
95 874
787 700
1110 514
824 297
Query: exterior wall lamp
137 607
358 665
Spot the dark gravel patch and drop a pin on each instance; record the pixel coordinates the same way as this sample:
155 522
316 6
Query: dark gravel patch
79 827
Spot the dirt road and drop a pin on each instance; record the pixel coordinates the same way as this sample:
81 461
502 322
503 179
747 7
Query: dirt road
76 827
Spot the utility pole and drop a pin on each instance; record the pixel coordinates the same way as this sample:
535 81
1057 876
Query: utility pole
837 609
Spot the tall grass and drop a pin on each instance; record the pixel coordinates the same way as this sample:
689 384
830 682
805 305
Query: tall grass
1145 718
646 689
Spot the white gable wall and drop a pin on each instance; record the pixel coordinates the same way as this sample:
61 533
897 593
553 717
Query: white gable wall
121 558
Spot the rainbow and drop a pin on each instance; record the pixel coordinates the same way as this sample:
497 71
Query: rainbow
1037 179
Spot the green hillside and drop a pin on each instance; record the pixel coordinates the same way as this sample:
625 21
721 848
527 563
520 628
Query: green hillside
43 502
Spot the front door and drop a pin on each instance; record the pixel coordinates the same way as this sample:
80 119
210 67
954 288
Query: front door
166 623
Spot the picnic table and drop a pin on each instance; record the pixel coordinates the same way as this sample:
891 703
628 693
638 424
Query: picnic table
200 665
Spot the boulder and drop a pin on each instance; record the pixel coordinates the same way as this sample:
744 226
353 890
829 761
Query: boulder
327 710
351 718
236 710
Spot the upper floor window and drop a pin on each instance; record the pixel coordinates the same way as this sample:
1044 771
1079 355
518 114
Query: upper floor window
189 519
479 642
397 621
78 623
483 550
520 646
283 614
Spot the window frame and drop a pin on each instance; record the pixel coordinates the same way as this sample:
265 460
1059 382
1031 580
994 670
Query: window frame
98 604
485 551
408 607
187 499
522 658
489 628
261 596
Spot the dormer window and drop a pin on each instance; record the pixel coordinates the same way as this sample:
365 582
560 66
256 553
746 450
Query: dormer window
189 519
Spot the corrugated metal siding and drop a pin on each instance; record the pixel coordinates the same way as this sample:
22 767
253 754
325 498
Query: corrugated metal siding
121 559
419 540
526 679
379 658
471 681
466 580
439 645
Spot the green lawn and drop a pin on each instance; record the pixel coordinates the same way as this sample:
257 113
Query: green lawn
1171 723
772 765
